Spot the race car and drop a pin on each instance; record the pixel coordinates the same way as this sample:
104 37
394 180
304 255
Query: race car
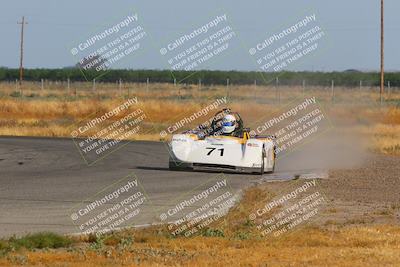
224 146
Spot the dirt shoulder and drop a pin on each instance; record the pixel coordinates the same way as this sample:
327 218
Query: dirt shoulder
364 196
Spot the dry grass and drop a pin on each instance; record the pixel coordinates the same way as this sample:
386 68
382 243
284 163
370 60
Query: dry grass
385 138
55 111
362 246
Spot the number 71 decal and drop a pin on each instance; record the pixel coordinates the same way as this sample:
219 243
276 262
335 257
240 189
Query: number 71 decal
221 150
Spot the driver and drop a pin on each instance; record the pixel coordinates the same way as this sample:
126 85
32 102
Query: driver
230 126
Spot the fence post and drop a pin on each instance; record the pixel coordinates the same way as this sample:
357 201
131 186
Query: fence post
255 89
227 88
147 84
277 92
120 86
174 81
94 85
304 87
333 91
361 86
16 85
68 87
389 90
199 84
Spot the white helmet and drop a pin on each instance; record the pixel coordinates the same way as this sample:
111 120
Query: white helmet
228 124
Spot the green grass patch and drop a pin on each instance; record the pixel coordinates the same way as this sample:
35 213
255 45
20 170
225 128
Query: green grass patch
16 94
35 241
209 232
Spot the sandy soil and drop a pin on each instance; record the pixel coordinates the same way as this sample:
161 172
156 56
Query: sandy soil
366 195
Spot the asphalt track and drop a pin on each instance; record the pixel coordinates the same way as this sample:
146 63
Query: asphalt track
41 179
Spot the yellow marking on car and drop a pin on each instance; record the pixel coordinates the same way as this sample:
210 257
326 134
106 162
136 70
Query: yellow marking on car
238 139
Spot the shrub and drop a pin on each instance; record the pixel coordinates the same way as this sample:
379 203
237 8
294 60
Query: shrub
15 94
40 241
213 233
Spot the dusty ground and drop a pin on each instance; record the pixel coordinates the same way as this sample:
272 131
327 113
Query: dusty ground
367 195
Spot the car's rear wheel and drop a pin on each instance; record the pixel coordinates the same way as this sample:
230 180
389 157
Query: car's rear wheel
274 157
262 161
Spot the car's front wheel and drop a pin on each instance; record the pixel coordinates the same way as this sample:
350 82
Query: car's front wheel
173 166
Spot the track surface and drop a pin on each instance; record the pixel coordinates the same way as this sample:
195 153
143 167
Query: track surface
41 179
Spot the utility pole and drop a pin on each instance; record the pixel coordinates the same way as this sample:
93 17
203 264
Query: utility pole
21 71
382 55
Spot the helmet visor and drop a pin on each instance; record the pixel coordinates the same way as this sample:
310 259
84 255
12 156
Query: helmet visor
228 123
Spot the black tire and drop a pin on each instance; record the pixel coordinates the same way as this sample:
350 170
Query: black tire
262 161
273 166
173 166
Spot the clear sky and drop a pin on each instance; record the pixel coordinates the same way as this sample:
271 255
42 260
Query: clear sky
351 30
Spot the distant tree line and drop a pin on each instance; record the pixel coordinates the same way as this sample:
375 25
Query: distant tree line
207 77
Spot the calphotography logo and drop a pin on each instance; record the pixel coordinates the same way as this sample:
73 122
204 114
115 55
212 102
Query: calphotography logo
198 125
115 207
196 211
104 133
107 47
196 116
195 49
289 210
282 49
295 125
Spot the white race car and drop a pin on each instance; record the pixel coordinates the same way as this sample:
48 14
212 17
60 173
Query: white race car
207 149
